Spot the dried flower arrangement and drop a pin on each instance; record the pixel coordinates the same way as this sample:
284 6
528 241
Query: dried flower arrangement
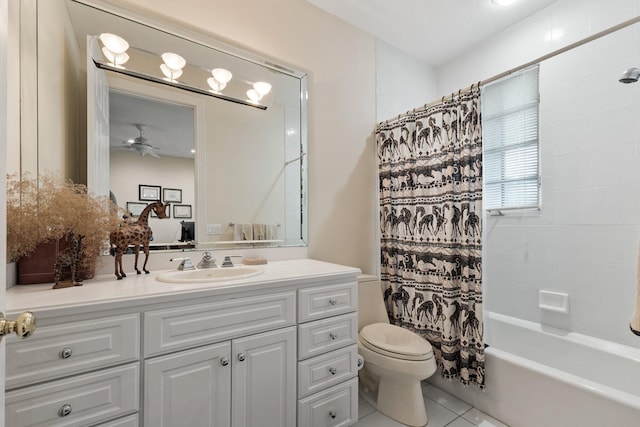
47 208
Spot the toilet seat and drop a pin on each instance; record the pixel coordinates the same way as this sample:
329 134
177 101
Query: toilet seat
394 341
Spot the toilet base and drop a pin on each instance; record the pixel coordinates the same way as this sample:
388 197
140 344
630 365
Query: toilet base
402 401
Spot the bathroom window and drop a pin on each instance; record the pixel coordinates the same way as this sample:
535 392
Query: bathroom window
510 141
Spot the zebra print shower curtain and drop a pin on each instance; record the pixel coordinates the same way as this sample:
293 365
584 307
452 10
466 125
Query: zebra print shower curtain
430 167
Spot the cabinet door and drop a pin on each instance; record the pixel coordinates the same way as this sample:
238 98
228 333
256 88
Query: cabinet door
264 379
189 388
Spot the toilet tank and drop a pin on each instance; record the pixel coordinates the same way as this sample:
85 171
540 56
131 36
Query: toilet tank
371 308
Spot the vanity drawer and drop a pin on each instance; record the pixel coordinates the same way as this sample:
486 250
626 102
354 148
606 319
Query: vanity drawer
324 335
325 301
334 407
60 350
326 370
184 327
130 421
77 401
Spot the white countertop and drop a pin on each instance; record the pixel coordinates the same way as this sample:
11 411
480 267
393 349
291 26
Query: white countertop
105 292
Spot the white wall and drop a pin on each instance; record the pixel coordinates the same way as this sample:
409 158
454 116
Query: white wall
585 240
340 60
167 172
402 82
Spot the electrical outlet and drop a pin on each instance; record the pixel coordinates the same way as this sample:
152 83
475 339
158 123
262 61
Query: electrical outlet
214 228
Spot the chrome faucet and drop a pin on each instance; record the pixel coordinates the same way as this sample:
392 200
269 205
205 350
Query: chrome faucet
207 261
227 260
185 263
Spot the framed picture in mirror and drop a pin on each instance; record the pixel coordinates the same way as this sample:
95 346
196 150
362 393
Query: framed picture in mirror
135 208
182 211
172 195
149 193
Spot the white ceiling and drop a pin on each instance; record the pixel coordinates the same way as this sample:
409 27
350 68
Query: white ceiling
433 31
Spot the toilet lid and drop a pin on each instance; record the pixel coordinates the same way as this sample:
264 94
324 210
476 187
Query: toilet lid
395 341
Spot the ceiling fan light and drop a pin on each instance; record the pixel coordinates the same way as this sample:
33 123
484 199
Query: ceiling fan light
221 75
114 43
262 88
174 61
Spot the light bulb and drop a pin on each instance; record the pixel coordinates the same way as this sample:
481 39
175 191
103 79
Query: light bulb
169 73
253 95
215 85
117 59
173 61
114 43
221 75
262 88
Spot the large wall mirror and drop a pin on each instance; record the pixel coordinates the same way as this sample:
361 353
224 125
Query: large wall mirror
234 174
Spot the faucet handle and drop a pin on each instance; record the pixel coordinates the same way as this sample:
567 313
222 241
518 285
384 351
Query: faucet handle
227 260
207 261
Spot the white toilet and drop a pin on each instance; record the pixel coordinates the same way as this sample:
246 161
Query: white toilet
396 360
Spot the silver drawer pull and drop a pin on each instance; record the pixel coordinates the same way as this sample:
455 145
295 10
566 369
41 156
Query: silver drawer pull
333 335
333 301
66 353
224 361
332 371
333 415
65 410
241 357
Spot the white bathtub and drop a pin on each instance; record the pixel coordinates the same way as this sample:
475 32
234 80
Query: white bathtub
545 377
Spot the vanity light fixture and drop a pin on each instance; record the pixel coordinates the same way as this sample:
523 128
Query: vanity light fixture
114 49
172 68
260 89
173 65
219 80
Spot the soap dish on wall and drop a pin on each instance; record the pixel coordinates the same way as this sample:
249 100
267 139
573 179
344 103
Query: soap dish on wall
557 302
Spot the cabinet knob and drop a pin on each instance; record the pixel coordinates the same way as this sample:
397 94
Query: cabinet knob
241 357
224 361
333 415
333 301
23 326
64 410
332 370
333 335
66 353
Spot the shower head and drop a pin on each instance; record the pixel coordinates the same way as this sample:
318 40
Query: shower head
631 75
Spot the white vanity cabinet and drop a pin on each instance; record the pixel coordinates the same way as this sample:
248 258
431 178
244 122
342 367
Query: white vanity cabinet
328 356
246 379
78 373
278 350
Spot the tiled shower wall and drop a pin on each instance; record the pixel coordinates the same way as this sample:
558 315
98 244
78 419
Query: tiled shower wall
584 241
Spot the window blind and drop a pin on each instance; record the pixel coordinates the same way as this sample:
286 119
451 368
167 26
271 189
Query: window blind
510 142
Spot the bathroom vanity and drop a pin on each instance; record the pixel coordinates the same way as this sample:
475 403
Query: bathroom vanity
276 349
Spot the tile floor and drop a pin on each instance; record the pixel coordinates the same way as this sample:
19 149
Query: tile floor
443 410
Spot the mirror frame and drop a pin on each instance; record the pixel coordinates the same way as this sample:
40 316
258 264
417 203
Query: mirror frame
29 136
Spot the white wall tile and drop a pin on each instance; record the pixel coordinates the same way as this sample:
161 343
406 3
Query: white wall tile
572 171
572 207
606 14
615 205
617 166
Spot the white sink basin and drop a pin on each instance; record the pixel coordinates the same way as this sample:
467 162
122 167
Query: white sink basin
208 275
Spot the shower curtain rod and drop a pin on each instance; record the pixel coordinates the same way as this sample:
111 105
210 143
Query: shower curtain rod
549 55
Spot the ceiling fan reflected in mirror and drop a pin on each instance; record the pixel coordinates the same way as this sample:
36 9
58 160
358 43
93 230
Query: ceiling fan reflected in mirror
140 144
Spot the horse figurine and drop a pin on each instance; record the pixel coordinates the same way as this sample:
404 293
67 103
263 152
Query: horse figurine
71 258
136 234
